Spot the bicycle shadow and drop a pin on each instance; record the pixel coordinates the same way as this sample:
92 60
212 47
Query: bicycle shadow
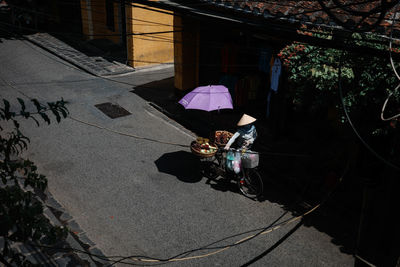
223 185
218 179
189 169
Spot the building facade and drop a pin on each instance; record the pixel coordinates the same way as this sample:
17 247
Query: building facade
145 31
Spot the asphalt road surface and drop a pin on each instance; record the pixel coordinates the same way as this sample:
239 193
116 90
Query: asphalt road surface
136 197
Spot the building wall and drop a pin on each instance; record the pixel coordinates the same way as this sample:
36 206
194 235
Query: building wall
86 15
94 20
149 31
186 38
152 41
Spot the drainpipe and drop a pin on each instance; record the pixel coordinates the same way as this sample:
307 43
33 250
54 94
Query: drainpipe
123 23
89 18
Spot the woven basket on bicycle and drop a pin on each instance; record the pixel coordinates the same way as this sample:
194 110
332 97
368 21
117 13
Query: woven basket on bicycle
221 138
203 153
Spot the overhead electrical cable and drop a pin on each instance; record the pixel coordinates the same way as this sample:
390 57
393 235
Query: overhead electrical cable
391 93
134 259
382 159
105 35
178 258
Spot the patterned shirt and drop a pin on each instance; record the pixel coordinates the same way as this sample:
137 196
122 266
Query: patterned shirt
245 137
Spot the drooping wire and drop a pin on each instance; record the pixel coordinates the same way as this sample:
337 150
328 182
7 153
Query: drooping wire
351 122
134 259
395 72
385 103
268 230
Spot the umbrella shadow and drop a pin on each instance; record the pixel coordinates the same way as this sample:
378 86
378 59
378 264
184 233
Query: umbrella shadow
182 164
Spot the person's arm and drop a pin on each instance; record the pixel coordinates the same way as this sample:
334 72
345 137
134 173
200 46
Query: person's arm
230 142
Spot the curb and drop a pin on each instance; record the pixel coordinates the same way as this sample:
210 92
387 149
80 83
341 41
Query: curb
75 250
77 239
164 115
96 66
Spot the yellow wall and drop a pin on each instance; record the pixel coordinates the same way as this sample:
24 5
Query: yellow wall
146 48
99 21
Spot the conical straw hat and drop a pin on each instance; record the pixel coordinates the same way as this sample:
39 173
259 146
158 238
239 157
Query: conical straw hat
246 119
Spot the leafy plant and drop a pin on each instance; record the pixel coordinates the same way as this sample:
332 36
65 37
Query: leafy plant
21 213
366 80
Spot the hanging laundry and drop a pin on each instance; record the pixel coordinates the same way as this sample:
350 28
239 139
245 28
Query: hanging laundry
275 75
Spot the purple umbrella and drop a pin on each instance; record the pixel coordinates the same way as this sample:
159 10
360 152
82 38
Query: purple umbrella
210 97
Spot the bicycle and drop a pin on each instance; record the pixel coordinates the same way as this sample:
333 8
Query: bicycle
248 180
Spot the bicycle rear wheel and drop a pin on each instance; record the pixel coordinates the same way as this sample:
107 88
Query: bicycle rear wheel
251 184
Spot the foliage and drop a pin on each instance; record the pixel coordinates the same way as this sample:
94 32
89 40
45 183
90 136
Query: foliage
366 80
21 212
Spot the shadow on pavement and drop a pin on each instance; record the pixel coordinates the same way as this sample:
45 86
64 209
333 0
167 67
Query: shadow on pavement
184 165
295 183
270 249
221 182
103 48
163 96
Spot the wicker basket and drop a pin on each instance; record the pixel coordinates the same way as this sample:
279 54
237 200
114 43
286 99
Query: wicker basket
199 153
216 141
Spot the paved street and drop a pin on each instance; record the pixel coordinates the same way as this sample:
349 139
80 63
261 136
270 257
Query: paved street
136 197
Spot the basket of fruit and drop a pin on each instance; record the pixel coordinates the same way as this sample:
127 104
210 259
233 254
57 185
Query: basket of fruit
201 147
221 138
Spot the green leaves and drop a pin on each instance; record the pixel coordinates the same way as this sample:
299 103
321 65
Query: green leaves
366 80
20 212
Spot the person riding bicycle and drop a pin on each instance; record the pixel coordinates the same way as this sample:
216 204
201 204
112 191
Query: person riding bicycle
245 135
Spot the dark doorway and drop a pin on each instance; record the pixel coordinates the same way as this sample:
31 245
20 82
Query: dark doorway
70 18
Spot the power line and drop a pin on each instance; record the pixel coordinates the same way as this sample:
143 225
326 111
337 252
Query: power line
278 15
146 138
295 6
352 127
395 72
97 22
266 230
220 249
378 9
177 258
298 5
166 40
351 122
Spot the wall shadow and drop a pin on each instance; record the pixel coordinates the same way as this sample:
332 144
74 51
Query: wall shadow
296 183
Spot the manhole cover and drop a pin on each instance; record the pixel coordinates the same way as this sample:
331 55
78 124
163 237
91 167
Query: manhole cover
112 110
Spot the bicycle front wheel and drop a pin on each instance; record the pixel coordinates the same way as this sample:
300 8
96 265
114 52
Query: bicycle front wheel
251 184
